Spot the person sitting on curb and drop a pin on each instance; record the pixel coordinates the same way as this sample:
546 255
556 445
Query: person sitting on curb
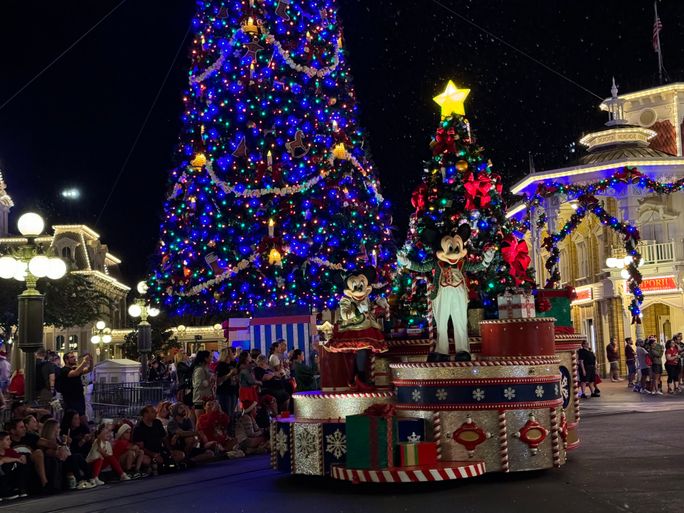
183 437
101 455
250 437
131 457
150 435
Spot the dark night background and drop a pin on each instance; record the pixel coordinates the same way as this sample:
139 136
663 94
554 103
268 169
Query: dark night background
75 125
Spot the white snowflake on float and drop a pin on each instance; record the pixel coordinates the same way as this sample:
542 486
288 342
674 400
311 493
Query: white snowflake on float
564 388
415 395
306 443
478 394
441 394
336 444
555 389
281 443
539 391
509 393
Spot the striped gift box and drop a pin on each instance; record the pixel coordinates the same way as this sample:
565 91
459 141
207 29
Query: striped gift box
296 329
236 330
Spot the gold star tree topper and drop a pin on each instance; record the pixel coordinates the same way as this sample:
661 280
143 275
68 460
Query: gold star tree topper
451 100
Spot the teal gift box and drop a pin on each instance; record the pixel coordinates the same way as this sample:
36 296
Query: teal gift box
371 441
560 300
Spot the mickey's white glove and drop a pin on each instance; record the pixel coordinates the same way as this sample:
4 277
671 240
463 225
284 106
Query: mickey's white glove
488 256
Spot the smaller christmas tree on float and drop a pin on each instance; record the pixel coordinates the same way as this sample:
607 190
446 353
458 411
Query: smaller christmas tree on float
459 237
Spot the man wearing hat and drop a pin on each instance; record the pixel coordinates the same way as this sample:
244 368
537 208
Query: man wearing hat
250 437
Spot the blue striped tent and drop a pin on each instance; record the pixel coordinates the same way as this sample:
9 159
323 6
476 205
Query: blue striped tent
296 329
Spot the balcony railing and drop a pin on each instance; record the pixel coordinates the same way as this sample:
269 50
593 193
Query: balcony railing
652 252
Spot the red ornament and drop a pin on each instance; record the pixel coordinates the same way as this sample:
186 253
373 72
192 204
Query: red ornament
470 435
532 434
477 191
418 198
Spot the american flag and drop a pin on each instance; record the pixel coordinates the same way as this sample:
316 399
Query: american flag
657 27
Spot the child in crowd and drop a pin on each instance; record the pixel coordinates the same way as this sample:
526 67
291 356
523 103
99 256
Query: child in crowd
14 469
130 456
101 454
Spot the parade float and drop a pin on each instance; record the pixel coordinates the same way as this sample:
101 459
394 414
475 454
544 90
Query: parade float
487 383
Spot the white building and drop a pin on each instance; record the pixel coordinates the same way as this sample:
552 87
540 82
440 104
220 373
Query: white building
644 132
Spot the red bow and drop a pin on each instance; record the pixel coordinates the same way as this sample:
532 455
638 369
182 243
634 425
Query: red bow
418 198
445 141
380 410
516 254
629 175
477 189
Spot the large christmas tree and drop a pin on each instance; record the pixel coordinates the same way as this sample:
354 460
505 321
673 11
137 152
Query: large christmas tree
460 186
273 194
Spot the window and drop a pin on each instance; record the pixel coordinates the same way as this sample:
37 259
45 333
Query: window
564 266
66 252
73 342
59 343
582 260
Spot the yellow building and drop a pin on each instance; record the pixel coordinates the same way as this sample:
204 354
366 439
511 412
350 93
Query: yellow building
84 253
644 132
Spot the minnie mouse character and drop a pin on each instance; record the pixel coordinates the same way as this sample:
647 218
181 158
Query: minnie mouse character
357 329
450 293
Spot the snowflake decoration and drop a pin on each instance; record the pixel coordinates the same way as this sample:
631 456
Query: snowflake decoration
509 393
564 388
441 394
281 443
306 443
555 390
539 391
478 394
413 438
336 444
415 395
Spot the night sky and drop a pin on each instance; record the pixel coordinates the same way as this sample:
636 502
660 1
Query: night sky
76 124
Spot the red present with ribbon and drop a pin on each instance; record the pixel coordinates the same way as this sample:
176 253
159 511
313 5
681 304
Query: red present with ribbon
371 437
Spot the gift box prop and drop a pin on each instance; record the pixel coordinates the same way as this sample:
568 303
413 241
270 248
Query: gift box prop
236 331
297 330
411 430
516 305
371 438
336 369
417 453
559 300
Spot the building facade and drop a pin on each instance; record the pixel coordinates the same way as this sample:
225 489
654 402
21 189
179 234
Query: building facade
85 254
644 133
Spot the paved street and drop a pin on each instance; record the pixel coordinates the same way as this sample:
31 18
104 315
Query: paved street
628 462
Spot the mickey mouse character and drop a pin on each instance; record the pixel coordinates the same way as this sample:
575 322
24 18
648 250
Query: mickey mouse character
450 292
357 329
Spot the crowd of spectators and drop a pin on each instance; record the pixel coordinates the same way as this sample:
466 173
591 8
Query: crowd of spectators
223 407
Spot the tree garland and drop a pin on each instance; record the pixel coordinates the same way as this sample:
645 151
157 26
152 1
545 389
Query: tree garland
589 204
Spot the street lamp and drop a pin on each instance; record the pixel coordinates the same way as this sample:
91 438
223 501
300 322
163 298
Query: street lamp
141 309
102 337
622 264
28 263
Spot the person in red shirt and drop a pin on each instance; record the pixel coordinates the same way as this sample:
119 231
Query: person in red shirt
131 457
672 366
213 424
16 472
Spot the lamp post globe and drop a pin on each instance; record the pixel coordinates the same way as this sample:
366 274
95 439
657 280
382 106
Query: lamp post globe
100 325
7 267
56 269
31 225
135 310
39 266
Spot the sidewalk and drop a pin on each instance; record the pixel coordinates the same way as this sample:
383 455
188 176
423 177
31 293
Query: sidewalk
618 398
